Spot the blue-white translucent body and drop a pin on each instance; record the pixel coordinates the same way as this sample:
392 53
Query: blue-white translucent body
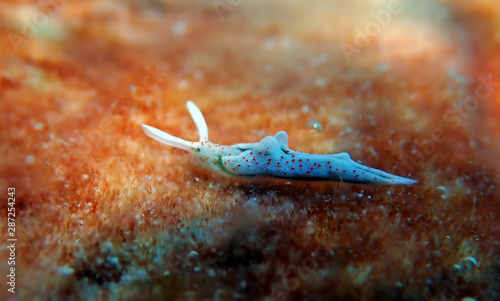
272 157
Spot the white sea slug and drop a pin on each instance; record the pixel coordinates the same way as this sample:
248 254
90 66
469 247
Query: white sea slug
272 157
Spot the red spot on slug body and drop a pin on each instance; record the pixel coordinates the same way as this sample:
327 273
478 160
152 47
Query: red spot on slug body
239 165
260 153
300 160
354 171
375 179
301 165
282 157
287 162
343 171
215 163
251 154
293 160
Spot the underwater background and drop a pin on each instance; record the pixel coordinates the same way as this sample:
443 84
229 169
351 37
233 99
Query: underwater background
102 212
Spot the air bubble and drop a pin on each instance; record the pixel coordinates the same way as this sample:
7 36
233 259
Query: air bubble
443 191
314 126
470 262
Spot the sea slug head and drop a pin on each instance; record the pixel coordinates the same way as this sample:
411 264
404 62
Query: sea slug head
207 153
168 139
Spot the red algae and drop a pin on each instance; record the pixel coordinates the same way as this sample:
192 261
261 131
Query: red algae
103 212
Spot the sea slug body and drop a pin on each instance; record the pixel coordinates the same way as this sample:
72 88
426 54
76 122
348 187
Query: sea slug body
272 157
